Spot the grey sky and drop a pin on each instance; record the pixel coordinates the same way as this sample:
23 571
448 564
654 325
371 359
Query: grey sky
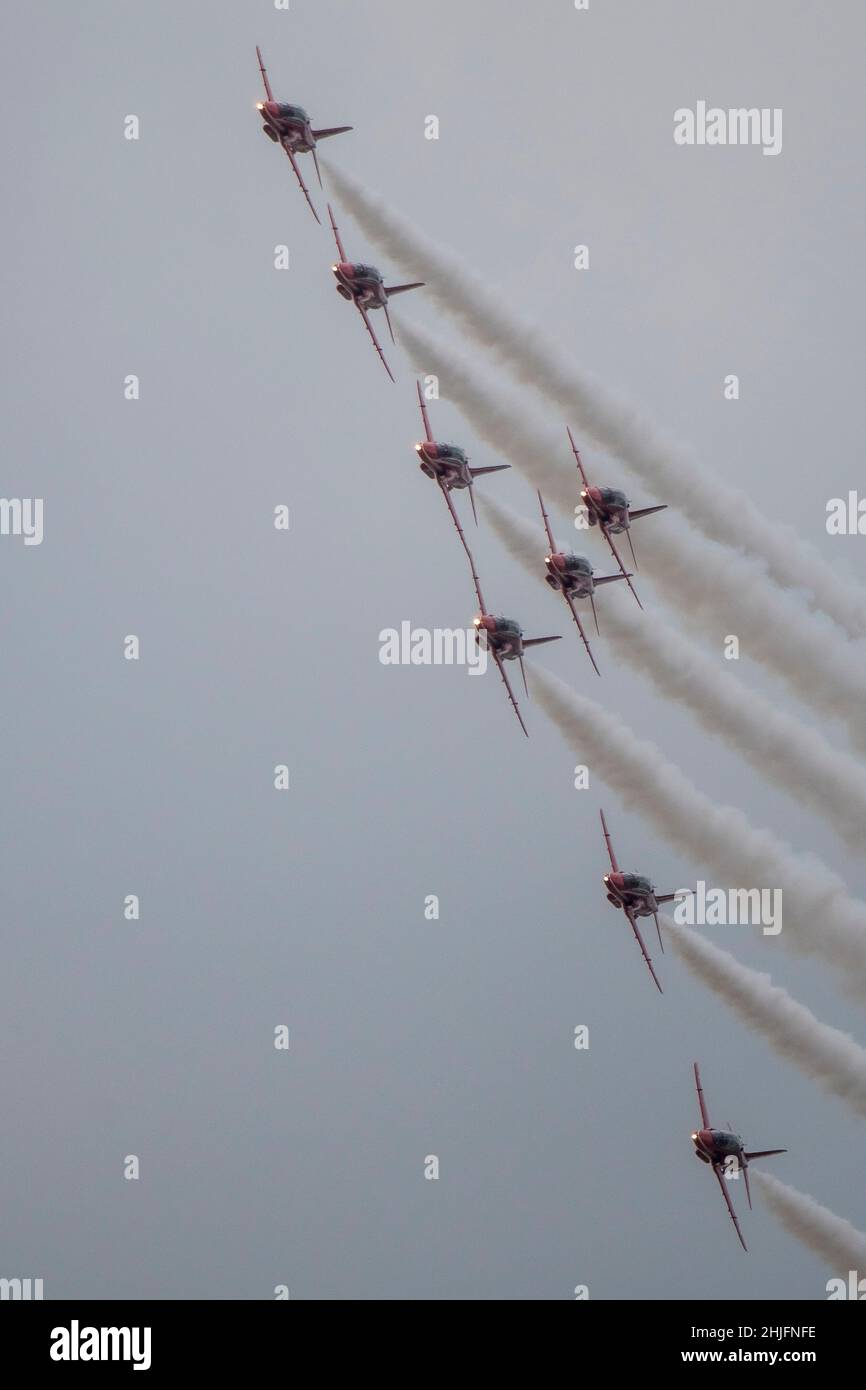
259 387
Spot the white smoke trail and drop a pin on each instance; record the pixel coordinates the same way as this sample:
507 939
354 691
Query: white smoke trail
792 754
727 592
830 1236
819 917
721 510
822 1053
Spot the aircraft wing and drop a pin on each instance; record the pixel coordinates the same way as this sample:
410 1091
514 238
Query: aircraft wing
647 511
583 476
570 601
705 1119
421 402
299 176
475 580
507 683
590 505
607 840
730 1206
455 518
268 92
369 327
340 249
546 519
615 553
640 941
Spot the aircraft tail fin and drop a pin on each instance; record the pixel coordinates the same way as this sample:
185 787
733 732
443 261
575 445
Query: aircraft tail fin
763 1153
334 130
659 933
539 641
490 468
631 547
318 170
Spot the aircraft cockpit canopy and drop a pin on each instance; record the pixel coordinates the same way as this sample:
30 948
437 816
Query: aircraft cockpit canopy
636 883
293 113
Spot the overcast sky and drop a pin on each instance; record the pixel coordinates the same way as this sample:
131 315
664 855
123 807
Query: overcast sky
306 908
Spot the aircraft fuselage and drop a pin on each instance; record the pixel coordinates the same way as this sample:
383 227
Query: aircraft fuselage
281 121
362 283
445 462
504 636
718 1146
571 574
631 891
608 507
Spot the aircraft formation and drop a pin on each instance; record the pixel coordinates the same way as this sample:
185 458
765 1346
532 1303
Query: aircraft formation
571 575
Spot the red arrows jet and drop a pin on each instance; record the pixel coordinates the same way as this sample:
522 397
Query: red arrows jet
503 636
290 127
448 464
724 1152
635 896
363 284
610 510
572 575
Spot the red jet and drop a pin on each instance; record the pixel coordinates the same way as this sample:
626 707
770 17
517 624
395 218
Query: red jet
610 510
635 896
573 576
503 636
363 284
448 464
724 1152
290 127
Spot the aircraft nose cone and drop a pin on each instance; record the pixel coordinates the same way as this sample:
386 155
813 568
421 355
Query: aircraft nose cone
271 107
558 561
